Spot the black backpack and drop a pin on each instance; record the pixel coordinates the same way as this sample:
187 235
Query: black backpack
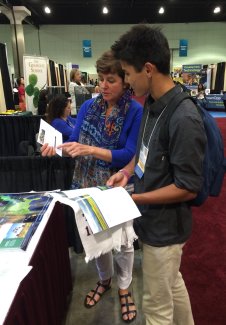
214 165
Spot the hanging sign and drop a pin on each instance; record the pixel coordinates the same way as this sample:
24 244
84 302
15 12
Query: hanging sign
183 47
87 50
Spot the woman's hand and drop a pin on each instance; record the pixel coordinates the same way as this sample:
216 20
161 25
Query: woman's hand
74 149
47 151
118 179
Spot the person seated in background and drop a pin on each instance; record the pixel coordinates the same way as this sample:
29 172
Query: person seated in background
76 86
21 93
103 140
42 102
58 115
201 91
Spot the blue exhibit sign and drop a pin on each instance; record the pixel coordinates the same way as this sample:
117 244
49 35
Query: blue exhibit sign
183 47
192 68
214 101
87 50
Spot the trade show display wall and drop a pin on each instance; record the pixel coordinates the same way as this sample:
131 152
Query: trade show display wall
6 94
218 77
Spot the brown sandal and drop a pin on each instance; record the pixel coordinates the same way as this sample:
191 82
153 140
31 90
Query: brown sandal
127 304
96 292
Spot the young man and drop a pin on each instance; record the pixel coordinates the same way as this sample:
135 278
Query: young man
164 181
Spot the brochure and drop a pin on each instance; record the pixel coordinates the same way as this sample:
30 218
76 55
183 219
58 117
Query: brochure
47 134
20 215
103 207
104 217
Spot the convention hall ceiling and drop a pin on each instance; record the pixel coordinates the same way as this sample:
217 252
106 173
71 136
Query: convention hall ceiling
120 11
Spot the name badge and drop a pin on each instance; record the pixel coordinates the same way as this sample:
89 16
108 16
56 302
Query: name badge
140 167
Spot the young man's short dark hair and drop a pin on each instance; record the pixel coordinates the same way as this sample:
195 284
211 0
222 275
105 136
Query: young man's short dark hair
143 44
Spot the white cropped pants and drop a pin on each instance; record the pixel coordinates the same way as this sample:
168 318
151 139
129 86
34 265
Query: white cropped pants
124 266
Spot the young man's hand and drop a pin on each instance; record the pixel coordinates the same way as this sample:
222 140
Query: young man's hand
118 179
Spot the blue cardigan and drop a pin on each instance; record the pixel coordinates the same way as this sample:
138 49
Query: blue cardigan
65 127
128 137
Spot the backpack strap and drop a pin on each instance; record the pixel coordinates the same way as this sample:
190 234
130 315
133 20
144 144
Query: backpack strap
171 108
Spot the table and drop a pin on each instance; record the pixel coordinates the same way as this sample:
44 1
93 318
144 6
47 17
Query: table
42 296
16 113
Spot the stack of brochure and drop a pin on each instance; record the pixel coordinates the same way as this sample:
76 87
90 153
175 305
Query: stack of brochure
20 215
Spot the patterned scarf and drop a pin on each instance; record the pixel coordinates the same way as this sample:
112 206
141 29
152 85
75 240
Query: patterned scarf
102 131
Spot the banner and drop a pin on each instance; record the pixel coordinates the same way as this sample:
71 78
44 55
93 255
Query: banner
192 68
183 47
214 101
35 79
87 50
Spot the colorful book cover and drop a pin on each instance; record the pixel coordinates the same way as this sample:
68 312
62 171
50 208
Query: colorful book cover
20 215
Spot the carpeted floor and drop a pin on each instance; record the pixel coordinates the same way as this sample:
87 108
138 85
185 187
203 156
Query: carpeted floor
204 259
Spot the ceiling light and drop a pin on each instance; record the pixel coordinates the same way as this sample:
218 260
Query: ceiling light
216 10
105 10
161 10
47 10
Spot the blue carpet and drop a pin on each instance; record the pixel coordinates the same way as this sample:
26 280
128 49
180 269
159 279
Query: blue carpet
218 114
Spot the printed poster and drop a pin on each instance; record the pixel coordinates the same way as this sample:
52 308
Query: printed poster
20 215
35 78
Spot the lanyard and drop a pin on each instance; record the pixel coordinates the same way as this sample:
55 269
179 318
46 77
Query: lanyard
153 130
140 167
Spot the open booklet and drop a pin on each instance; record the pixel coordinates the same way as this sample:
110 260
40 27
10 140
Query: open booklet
104 217
103 207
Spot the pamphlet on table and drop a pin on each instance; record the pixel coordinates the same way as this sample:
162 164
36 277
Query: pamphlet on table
20 215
